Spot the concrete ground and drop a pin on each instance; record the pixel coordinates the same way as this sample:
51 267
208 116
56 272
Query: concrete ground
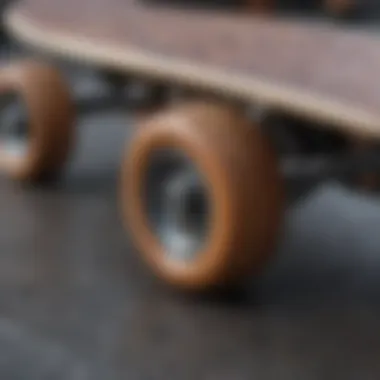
76 302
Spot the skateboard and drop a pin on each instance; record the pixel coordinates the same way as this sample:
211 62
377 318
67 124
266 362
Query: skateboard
240 106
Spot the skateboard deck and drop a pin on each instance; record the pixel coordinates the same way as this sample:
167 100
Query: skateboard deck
317 71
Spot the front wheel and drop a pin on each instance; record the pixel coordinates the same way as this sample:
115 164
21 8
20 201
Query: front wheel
202 195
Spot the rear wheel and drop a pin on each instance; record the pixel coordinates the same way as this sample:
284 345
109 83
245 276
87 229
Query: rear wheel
36 130
202 195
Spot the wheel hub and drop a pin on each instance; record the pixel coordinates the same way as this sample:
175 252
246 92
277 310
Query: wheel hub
177 206
13 125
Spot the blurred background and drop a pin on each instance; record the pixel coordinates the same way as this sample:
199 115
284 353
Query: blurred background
76 302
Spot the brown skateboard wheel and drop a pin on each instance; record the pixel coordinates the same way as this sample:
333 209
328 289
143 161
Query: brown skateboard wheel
202 195
42 147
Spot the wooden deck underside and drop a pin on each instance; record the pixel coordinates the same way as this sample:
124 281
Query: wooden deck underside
317 71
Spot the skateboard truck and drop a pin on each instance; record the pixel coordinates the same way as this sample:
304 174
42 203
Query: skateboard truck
130 94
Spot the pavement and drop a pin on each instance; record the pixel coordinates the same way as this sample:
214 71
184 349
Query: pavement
77 303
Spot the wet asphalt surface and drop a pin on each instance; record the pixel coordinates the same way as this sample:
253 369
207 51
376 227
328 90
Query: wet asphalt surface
77 303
